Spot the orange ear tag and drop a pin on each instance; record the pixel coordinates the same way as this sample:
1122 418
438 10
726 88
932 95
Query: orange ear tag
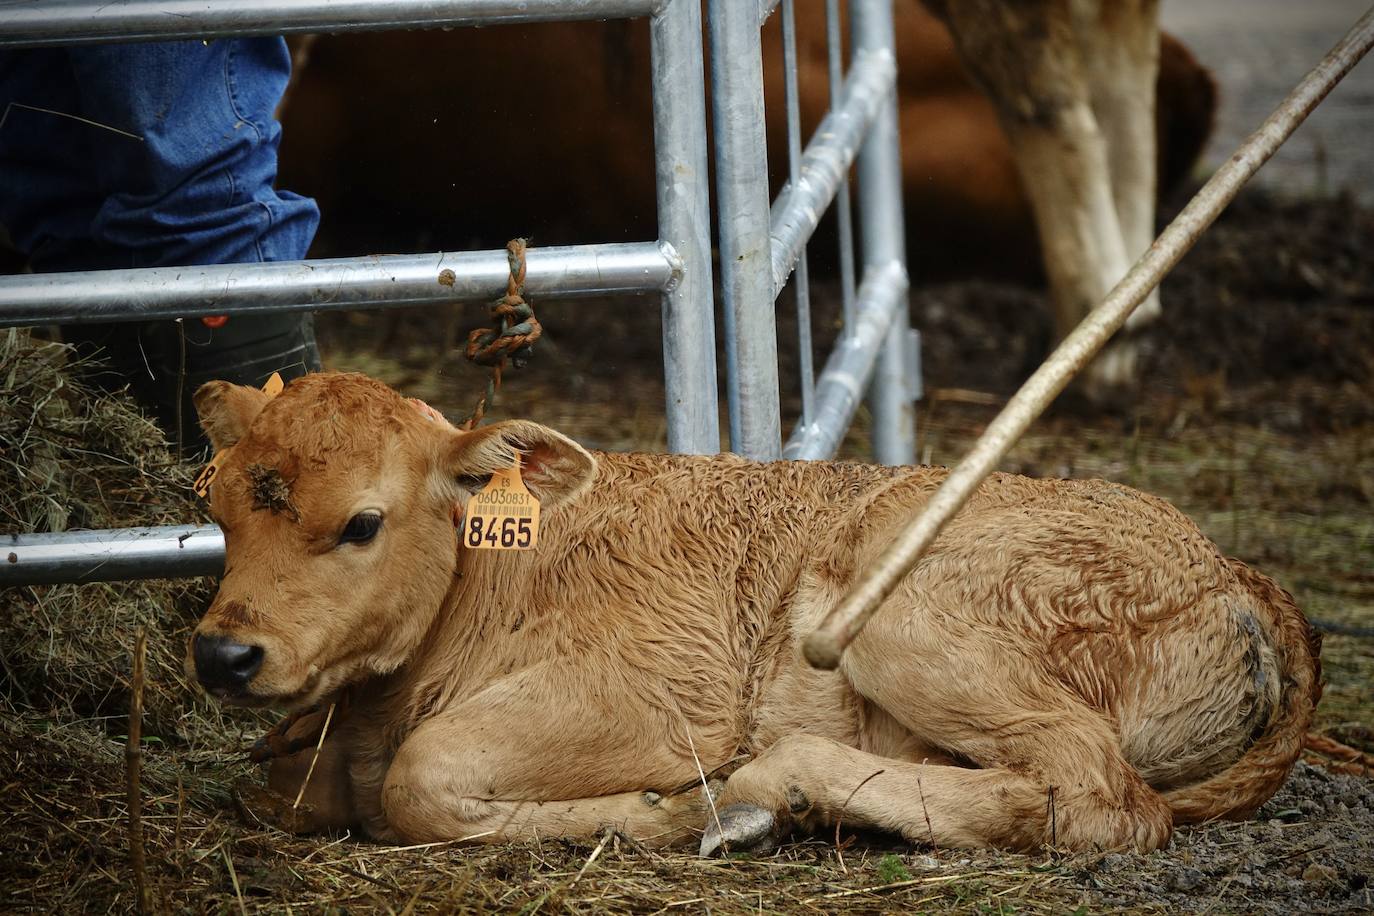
272 388
503 515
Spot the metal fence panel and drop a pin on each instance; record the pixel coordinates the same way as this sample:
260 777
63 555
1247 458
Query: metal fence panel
824 167
759 245
884 243
860 127
678 265
751 344
108 555
26 24
379 281
841 386
684 221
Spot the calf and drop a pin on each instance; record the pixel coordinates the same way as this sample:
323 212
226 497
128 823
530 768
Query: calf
1072 664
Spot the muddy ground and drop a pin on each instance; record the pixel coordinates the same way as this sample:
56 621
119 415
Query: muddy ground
1255 415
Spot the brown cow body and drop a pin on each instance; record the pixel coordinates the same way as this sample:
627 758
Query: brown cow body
1074 663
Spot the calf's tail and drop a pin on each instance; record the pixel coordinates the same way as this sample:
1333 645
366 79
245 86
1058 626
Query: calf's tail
1238 791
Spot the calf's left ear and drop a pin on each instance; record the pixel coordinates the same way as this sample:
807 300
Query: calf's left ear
227 410
554 468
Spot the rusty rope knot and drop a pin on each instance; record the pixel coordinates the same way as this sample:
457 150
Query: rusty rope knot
514 335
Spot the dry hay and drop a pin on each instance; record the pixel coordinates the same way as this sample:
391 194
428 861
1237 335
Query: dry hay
73 458
70 457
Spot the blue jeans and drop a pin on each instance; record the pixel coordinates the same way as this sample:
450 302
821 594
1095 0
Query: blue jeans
151 155
181 173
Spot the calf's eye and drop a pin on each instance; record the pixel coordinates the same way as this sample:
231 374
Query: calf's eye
361 528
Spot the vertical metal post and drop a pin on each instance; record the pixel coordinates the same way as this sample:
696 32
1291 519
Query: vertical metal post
751 345
884 242
684 222
843 211
802 278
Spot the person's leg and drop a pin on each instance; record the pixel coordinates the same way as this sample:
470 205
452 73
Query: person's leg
49 196
150 155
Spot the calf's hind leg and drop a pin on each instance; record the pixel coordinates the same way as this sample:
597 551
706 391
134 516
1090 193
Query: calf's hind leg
809 782
1052 768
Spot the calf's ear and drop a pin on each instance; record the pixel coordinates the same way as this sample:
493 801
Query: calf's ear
227 410
554 468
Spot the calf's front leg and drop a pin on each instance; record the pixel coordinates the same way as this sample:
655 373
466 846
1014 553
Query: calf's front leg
305 793
418 811
531 757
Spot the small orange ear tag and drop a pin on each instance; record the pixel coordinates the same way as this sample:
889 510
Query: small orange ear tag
271 388
503 515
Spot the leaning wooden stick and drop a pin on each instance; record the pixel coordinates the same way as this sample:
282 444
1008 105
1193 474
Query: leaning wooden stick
824 646
133 759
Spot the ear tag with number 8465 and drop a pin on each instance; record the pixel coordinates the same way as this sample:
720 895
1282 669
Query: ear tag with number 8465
503 515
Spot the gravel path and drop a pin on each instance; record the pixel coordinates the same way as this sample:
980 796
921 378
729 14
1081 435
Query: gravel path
1259 49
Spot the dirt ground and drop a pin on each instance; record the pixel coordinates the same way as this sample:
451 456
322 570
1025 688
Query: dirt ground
1255 416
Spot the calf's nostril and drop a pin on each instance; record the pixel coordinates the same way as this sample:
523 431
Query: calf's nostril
222 662
243 661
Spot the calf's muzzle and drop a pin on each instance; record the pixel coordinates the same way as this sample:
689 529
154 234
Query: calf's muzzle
223 664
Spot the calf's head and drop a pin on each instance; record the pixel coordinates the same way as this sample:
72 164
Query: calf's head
338 500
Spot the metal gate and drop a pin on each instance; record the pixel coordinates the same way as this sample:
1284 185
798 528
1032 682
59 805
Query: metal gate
760 247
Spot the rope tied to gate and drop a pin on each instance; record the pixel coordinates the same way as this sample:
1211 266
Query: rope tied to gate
513 337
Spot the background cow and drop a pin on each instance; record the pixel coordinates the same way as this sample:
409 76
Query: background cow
1073 82
421 140
1073 663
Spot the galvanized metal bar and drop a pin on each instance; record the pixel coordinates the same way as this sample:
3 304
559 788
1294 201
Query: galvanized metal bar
684 221
824 646
844 211
850 366
28 24
388 281
884 241
802 287
171 552
751 346
825 166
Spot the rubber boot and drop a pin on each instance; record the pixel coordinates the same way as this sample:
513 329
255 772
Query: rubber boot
164 362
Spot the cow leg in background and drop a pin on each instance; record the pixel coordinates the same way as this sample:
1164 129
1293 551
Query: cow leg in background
1027 58
1120 46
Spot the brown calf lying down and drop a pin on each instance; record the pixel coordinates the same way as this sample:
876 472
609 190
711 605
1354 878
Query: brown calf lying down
1073 663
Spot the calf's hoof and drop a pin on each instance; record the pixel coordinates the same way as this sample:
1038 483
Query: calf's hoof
745 829
257 805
